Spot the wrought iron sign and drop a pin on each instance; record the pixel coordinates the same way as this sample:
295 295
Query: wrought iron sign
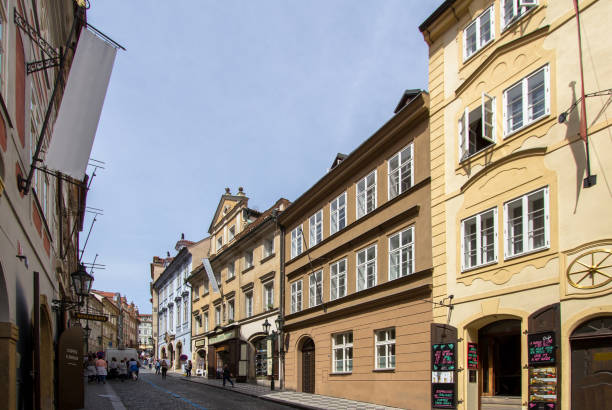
592 269
35 36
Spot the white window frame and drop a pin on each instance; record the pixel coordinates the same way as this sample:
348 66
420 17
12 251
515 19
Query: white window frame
219 242
526 242
296 296
464 127
337 291
525 100
297 245
185 310
339 213
388 344
345 347
315 288
218 315
268 247
519 9
368 263
478 22
399 250
365 194
231 270
206 323
479 240
248 259
231 233
231 310
268 300
398 170
315 228
248 304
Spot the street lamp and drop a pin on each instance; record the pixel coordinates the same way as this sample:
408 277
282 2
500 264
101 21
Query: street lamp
272 336
81 285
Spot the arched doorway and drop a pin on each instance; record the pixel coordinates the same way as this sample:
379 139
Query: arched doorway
308 366
163 353
171 354
591 364
200 362
179 353
46 358
499 351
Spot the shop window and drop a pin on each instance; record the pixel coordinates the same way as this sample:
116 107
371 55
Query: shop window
337 215
366 268
479 239
401 171
479 33
337 280
315 224
401 254
315 294
385 349
527 223
261 358
477 128
342 352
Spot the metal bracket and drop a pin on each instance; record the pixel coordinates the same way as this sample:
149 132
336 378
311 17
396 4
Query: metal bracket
35 36
43 64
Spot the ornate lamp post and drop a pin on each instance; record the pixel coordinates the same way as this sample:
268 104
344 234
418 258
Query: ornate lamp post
81 285
272 336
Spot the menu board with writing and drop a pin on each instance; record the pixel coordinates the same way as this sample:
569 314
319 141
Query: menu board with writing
472 356
541 348
443 396
542 388
443 357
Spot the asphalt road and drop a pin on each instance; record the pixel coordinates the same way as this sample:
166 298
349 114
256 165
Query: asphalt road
151 392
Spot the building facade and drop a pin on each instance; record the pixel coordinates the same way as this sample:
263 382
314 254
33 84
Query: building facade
521 241
358 270
110 331
174 302
145 333
156 268
229 321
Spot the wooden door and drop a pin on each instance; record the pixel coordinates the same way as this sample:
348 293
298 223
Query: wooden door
308 367
592 374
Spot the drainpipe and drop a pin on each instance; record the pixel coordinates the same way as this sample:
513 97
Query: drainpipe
281 308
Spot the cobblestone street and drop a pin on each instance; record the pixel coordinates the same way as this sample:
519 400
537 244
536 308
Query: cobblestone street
150 391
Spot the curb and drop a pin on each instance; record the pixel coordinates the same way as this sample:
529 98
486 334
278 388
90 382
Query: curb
290 403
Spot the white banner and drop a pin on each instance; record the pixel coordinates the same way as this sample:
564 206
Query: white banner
79 113
211 274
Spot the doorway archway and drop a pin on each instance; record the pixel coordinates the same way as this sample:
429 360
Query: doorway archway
179 353
308 365
591 364
171 354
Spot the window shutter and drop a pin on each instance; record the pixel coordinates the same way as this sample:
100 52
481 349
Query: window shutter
495 237
505 239
505 113
462 246
547 88
488 117
463 141
412 164
546 217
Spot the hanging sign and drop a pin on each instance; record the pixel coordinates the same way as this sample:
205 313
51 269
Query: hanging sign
472 356
443 395
89 316
443 357
541 348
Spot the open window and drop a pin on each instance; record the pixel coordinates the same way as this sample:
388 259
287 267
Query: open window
477 128
514 9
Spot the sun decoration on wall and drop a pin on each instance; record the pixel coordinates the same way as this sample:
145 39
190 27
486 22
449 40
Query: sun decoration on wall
591 270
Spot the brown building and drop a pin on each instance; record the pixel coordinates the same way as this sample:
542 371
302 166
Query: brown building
229 323
358 270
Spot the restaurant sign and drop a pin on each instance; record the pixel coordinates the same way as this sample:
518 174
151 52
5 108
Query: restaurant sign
89 316
222 337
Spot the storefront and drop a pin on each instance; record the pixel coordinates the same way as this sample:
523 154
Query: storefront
224 349
199 357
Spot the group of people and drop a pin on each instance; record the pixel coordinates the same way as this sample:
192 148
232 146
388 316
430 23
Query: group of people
98 369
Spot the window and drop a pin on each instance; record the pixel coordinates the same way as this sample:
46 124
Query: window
219 243
337 280
218 315
316 228
171 315
231 233
385 349
178 314
248 304
401 254
315 294
231 272
248 259
513 9
527 101
366 194
206 322
479 33
268 290
296 241
296 296
261 357
342 351
479 239
400 172
366 268
526 223
268 247
477 128
230 310
337 217
185 310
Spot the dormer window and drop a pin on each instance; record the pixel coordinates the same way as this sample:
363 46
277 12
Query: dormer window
479 33
513 9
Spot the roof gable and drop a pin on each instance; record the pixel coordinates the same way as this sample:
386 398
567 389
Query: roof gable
226 204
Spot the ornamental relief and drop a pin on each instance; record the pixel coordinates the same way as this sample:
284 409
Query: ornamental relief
588 269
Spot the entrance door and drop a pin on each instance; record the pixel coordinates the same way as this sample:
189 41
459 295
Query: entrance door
500 373
308 367
592 365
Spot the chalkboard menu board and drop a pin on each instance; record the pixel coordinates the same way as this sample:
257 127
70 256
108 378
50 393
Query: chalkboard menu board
443 395
472 356
443 357
541 348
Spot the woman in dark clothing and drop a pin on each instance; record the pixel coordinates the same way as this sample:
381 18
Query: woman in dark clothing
226 375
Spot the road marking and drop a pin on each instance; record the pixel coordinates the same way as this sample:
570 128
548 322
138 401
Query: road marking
197 406
113 397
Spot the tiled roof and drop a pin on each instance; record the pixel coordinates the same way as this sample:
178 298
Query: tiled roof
262 218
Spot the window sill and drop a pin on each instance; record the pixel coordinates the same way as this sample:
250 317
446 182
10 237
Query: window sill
480 151
473 268
340 373
516 19
467 60
267 258
248 269
230 279
526 253
389 370
527 126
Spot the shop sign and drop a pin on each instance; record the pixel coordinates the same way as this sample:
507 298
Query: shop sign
542 388
200 343
270 363
541 348
443 396
443 357
222 337
70 369
89 316
472 356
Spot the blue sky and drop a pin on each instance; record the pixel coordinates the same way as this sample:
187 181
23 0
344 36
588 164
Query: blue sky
213 94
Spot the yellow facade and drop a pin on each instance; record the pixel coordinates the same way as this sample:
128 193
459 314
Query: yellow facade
529 69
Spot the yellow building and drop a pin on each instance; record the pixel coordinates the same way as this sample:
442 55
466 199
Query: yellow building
520 242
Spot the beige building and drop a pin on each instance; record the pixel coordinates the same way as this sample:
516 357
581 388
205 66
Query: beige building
156 267
145 333
358 269
520 241
228 321
110 333
95 306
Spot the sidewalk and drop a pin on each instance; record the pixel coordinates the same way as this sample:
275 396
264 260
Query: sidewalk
101 397
290 398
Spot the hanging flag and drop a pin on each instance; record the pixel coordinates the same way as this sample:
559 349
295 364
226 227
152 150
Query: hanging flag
211 274
79 113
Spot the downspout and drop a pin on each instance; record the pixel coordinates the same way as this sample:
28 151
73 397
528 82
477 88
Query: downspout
281 308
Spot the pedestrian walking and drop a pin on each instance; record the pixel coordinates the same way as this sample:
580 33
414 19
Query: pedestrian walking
188 367
157 367
134 365
164 368
226 375
112 368
90 370
122 369
101 370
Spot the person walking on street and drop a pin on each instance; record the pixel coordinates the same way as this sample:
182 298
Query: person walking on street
164 368
112 368
101 370
134 368
226 375
188 368
157 367
122 369
91 368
